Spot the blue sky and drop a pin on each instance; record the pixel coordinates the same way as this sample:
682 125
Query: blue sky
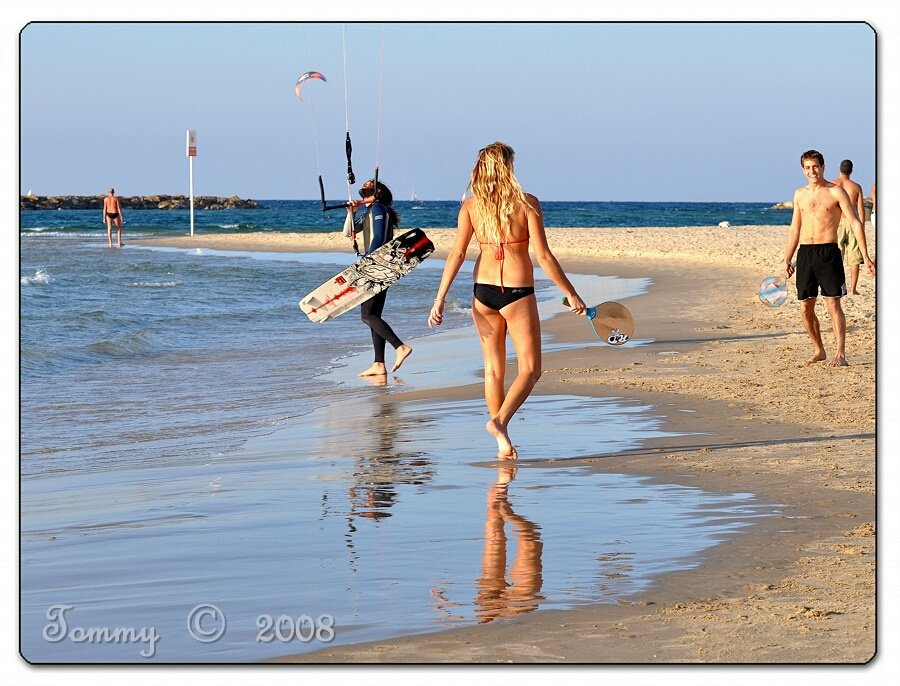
599 111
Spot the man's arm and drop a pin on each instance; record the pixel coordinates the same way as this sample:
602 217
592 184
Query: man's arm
793 237
349 222
860 206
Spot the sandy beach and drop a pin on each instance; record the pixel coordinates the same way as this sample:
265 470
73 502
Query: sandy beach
797 590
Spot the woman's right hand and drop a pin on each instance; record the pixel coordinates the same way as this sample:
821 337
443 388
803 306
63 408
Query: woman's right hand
436 318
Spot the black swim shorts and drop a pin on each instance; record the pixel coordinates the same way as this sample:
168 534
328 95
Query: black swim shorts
820 266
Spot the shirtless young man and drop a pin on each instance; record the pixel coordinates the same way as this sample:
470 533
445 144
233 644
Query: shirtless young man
818 208
112 212
846 240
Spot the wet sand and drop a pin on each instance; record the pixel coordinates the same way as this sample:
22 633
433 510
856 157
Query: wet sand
802 589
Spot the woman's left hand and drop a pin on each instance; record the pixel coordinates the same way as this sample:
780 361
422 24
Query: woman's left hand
576 304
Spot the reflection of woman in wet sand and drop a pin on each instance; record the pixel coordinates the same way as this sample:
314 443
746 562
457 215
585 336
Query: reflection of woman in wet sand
505 220
496 597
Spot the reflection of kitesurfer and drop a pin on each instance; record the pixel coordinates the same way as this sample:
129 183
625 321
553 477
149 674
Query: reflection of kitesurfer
505 220
498 597
384 466
377 226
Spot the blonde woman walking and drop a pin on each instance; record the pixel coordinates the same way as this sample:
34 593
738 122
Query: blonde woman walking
506 221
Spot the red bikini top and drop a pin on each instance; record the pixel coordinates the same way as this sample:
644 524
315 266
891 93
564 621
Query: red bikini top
500 254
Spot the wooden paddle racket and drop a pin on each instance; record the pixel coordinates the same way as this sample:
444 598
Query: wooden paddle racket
611 321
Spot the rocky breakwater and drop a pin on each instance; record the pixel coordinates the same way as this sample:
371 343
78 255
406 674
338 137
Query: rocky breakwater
135 202
789 205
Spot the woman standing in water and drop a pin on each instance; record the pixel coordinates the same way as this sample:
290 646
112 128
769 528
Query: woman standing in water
505 220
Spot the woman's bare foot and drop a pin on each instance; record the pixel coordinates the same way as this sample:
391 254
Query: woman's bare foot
377 369
508 456
839 361
402 353
505 449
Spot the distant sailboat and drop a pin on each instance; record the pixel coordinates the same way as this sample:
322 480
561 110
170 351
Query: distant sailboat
415 198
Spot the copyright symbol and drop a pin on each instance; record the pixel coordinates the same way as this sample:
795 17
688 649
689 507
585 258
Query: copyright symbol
209 634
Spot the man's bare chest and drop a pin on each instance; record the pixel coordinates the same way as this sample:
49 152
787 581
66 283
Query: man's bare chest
819 203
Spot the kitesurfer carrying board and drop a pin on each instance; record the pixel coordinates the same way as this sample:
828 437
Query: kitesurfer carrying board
377 226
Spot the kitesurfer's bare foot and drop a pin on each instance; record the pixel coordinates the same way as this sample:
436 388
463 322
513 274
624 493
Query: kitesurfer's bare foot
838 361
818 357
505 449
377 369
402 353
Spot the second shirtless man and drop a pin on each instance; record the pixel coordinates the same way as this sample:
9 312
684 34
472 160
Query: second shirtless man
818 208
112 212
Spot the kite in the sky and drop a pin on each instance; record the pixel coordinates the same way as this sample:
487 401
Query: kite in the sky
305 77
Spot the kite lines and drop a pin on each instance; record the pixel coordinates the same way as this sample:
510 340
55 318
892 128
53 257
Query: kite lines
348 146
351 177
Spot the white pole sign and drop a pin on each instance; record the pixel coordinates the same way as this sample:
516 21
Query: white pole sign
192 153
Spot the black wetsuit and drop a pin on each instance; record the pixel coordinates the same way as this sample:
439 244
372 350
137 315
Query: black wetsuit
371 309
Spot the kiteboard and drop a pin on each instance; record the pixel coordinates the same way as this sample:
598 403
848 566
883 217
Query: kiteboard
611 321
773 291
368 276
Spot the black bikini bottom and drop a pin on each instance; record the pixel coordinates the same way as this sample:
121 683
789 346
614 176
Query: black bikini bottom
497 298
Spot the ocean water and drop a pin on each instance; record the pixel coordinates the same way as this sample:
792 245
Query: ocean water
176 352
100 328
189 437
307 216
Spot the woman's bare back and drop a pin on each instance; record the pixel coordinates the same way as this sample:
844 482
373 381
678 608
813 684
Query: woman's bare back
508 262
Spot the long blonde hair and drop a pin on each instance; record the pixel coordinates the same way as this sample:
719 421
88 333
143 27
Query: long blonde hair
497 193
